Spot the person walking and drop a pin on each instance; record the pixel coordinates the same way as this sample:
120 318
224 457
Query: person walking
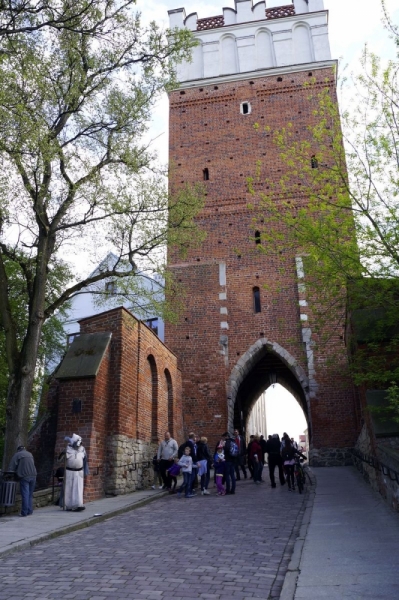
23 466
186 464
255 457
167 452
242 450
288 455
250 465
231 458
220 465
204 460
192 444
273 445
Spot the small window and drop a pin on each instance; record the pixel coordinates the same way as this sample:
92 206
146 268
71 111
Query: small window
205 174
110 287
257 237
314 162
245 108
153 324
256 298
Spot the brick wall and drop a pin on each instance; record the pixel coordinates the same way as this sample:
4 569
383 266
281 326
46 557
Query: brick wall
121 405
219 325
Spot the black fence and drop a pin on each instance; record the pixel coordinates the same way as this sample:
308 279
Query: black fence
374 462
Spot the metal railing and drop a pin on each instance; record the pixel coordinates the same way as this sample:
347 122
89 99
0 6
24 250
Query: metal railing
374 462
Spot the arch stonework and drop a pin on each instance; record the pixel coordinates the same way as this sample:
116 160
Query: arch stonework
245 364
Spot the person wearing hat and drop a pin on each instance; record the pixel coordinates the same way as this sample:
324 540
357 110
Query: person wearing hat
23 466
75 469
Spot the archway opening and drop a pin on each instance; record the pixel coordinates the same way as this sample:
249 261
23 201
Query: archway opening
277 411
263 366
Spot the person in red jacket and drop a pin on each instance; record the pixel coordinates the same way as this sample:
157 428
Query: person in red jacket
255 454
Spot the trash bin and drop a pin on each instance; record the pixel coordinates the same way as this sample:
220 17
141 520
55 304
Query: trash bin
8 490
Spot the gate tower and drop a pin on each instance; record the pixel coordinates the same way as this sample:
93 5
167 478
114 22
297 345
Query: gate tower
237 335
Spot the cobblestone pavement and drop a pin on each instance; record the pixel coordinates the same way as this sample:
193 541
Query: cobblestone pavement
209 547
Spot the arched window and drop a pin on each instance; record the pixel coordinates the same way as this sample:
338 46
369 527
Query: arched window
154 398
205 174
257 237
169 387
256 299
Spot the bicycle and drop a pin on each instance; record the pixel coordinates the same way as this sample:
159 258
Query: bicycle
299 475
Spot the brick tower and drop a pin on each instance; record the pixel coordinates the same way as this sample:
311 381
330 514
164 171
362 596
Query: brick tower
242 330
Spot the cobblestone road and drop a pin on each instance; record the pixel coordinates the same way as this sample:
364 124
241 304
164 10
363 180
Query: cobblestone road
209 547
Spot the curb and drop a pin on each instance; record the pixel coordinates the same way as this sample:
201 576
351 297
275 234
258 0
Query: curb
291 577
81 525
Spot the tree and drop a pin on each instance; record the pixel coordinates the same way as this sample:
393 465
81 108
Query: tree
336 205
52 344
77 84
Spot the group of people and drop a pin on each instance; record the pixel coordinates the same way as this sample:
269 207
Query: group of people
71 478
193 459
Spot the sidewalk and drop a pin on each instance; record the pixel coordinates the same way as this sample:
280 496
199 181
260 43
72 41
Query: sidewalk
18 533
348 547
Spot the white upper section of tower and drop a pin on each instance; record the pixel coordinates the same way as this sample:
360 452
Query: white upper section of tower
254 37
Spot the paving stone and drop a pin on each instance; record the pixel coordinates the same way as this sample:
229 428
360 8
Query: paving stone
211 549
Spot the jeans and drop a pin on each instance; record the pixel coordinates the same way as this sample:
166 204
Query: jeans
27 487
258 468
164 465
275 460
205 479
193 477
230 477
186 484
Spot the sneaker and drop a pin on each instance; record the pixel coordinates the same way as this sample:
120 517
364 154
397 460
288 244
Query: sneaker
153 487
190 496
160 487
205 493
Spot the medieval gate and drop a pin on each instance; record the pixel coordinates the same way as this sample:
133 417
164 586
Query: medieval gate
246 321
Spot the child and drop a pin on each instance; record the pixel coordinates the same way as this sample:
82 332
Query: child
173 472
186 464
219 463
157 474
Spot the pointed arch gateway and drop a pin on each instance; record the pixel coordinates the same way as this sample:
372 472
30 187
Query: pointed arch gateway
263 364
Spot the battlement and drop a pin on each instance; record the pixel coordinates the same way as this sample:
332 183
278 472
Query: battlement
254 37
245 11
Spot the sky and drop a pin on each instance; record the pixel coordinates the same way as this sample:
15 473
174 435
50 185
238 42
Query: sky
352 24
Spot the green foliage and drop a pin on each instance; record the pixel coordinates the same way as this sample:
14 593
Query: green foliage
78 82
336 207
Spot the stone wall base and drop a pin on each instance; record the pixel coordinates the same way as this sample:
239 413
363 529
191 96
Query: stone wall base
129 465
330 457
388 454
40 498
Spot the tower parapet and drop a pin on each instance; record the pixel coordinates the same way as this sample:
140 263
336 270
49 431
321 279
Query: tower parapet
253 38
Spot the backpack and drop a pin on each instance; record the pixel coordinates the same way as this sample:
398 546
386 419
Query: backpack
232 448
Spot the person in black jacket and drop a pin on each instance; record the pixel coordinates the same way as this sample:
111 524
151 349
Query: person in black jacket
242 451
274 459
230 463
288 452
203 454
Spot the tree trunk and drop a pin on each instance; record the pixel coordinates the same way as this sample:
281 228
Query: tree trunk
20 392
